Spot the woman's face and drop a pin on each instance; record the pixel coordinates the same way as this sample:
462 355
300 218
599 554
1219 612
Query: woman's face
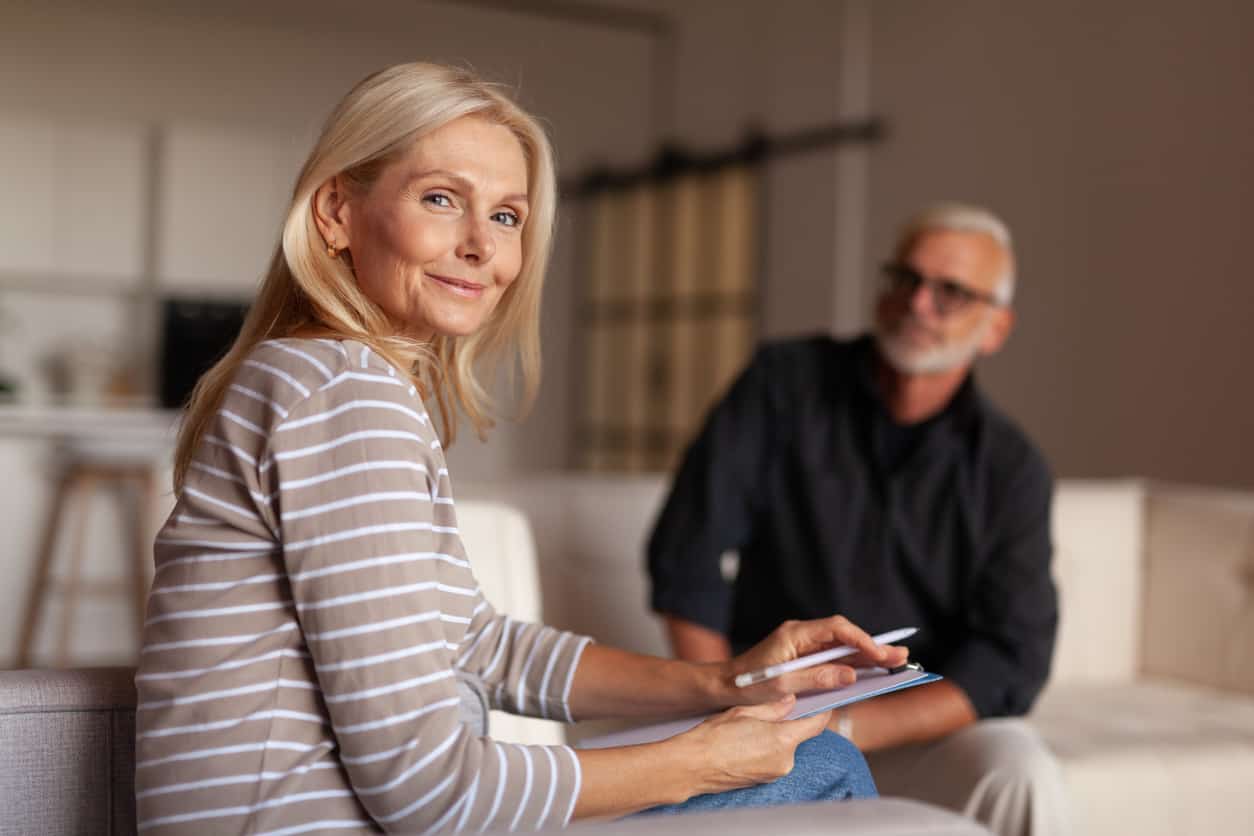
437 239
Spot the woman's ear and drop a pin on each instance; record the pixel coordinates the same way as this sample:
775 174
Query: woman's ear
331 214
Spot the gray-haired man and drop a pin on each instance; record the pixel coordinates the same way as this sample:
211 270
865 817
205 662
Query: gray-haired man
871 478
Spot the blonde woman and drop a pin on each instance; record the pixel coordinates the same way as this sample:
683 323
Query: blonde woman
315 641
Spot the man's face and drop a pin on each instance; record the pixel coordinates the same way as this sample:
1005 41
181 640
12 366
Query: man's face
917 335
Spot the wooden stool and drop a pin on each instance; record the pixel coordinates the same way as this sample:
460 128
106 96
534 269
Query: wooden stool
74 491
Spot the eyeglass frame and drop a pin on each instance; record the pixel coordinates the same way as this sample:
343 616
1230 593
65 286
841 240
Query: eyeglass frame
901 277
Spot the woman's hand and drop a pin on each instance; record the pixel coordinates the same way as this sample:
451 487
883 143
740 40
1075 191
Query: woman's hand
793 639
739 747
746 745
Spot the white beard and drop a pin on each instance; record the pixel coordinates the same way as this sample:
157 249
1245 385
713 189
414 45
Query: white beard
909 360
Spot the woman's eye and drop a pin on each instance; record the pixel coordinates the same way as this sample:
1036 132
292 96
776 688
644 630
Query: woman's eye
438 199
507 218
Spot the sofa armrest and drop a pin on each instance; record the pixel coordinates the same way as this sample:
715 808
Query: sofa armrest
1198 622
869 817
68 739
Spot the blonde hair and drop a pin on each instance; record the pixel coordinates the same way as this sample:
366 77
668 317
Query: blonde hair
964 217
308 292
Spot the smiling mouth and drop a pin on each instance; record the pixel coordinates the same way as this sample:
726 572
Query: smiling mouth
459 286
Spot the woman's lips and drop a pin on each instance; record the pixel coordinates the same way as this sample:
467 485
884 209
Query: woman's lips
472 290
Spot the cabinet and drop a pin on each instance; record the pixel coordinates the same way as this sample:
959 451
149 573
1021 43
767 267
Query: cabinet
75 201
103 219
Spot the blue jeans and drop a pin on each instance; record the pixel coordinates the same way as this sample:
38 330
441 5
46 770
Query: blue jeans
826 768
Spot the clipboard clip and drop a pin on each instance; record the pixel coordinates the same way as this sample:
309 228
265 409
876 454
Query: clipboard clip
908 666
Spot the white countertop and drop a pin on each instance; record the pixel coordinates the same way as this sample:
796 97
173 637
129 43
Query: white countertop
105 431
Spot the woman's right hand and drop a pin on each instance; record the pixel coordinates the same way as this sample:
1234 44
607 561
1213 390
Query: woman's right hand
747 745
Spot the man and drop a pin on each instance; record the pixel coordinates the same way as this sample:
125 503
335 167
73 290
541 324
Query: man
871 478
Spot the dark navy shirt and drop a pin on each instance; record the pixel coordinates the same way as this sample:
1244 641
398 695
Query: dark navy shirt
834 508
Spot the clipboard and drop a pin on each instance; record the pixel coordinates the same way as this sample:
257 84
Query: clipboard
872 682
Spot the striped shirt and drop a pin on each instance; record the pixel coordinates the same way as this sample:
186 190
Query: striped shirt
311 609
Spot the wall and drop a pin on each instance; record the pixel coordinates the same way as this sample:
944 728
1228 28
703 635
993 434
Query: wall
1115 137
777 67
229 87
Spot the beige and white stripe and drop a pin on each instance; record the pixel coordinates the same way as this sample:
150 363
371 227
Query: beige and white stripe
311 604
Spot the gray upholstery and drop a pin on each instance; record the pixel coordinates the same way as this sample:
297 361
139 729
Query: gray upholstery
878 817
67 752
67 761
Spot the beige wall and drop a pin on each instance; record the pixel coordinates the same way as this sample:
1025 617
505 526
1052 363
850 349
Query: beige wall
776 66
198 72
1114 137
1118 140
245 79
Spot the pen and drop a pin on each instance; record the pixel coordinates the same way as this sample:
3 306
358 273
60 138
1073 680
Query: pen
746 679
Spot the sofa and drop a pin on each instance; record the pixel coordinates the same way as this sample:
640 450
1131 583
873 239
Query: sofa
67 750
1150 708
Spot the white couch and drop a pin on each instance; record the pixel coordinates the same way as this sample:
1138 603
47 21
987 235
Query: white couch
498 540
1151 705
67 738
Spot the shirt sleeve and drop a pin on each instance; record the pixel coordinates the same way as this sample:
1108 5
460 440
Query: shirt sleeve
384 597
713 503
526 668
1003 661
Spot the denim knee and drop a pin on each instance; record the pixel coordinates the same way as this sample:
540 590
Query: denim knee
826 768
832 760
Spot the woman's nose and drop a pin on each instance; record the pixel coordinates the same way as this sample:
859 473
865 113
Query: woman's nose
476 245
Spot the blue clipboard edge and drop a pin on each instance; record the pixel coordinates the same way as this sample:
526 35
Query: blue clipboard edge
901 686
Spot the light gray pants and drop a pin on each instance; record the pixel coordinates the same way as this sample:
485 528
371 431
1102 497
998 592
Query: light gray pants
998 772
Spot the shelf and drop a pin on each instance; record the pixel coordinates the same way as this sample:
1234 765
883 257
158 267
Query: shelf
75 285
126 425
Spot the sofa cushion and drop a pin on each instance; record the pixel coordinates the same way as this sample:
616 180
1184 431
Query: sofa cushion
67 739
502 556
1199 622
1152 757
590 531
865 817
1097 528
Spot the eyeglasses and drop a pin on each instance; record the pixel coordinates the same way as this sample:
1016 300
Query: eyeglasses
948 295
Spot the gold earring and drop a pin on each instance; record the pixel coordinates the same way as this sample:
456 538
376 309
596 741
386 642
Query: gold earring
331 250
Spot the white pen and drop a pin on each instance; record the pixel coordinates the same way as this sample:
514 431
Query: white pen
802 662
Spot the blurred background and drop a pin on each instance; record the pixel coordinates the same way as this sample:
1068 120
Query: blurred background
734 170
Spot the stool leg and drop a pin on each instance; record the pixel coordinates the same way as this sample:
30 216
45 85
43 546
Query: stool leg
85 487
42 571
146 499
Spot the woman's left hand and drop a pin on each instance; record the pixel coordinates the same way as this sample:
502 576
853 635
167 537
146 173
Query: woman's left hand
793 639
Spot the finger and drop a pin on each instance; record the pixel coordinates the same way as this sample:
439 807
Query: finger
854 636
896 656
893 656
818 678
814 635
773 711
808 727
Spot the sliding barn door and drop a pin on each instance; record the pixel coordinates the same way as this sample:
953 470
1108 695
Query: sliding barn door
669 311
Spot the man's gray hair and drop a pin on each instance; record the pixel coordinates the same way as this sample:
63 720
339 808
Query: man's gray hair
963 217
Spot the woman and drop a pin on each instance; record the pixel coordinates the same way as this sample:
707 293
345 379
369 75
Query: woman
315 635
